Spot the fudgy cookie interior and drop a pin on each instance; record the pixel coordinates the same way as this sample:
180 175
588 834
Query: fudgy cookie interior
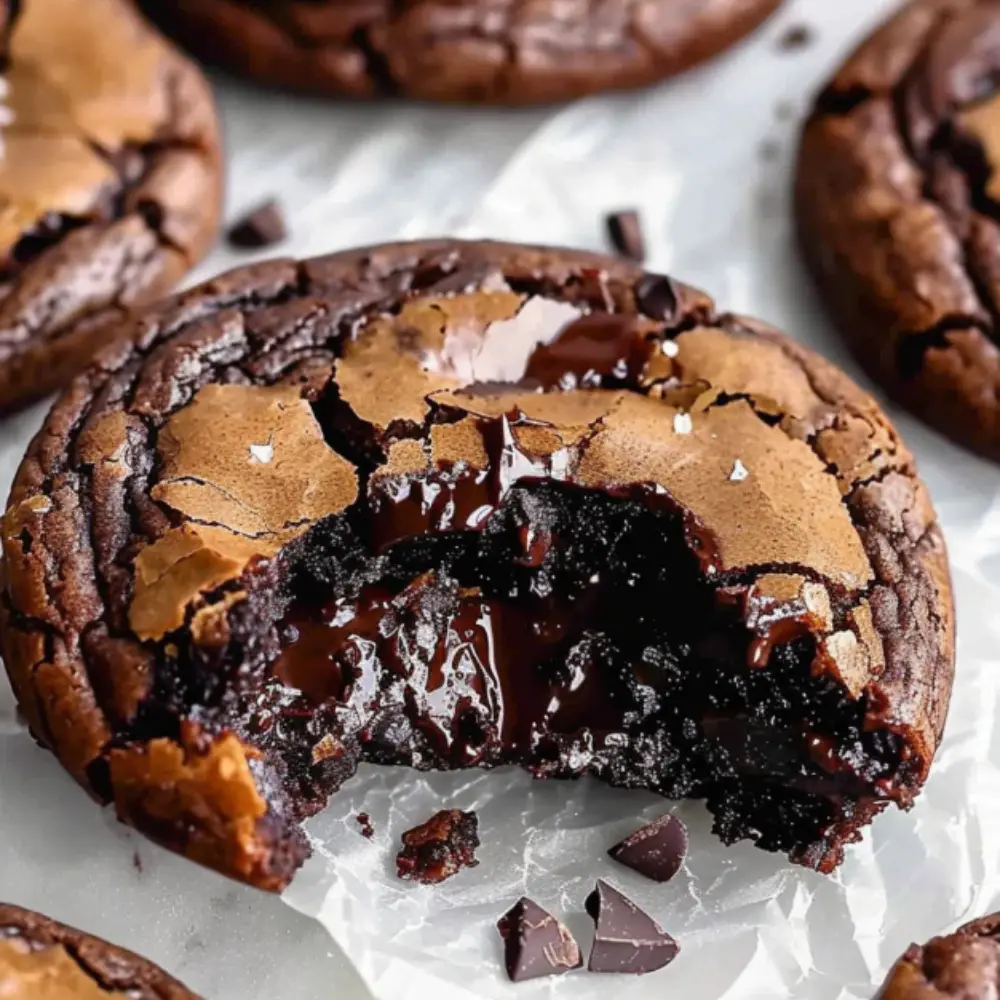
473 506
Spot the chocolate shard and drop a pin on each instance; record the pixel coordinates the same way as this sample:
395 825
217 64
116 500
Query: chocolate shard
656 851
536 943
656 296
625 233
625 938
439 848
262 227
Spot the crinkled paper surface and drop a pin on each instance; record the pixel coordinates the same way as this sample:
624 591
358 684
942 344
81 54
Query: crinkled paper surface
707 160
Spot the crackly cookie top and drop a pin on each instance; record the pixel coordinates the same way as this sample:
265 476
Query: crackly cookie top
899 201
43 960
403 392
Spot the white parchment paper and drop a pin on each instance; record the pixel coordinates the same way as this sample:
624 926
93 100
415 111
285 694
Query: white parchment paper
707 160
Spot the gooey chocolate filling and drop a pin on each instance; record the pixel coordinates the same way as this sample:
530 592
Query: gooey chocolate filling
468 618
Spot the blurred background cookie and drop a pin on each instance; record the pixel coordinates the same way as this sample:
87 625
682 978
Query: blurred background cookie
110 182
494 51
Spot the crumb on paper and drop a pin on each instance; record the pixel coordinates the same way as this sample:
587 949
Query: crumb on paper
439 848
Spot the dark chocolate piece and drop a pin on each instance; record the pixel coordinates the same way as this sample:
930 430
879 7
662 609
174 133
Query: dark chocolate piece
625 938
439 848
535 943
263 227
656 851
364 821
625 233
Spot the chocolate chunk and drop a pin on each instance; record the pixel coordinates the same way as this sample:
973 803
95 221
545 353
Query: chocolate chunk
364 821
535 943
655 296
625 938
656 851
263 227
439 848
625 232
797 36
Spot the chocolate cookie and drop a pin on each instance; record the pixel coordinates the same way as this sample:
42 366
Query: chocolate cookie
898 197
961 966
496 51
453 504
109 182
43 960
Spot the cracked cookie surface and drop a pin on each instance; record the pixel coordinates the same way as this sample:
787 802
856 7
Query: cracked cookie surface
44 960
109 183
959 966
497 51
898 203
453 504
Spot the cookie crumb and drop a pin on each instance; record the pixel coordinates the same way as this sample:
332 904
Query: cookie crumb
137 862
262 227
682 423
439 848
797 36
364 821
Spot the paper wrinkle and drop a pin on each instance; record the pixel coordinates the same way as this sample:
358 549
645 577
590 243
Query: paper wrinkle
688 155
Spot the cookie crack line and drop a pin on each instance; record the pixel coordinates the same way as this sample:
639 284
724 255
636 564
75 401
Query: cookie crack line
174 656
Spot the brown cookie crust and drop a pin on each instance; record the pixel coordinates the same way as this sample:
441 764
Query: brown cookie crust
244 430
110 183
898 202
44 960
959 966
495 51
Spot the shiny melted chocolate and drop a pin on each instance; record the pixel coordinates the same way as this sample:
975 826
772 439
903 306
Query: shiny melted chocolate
509 617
